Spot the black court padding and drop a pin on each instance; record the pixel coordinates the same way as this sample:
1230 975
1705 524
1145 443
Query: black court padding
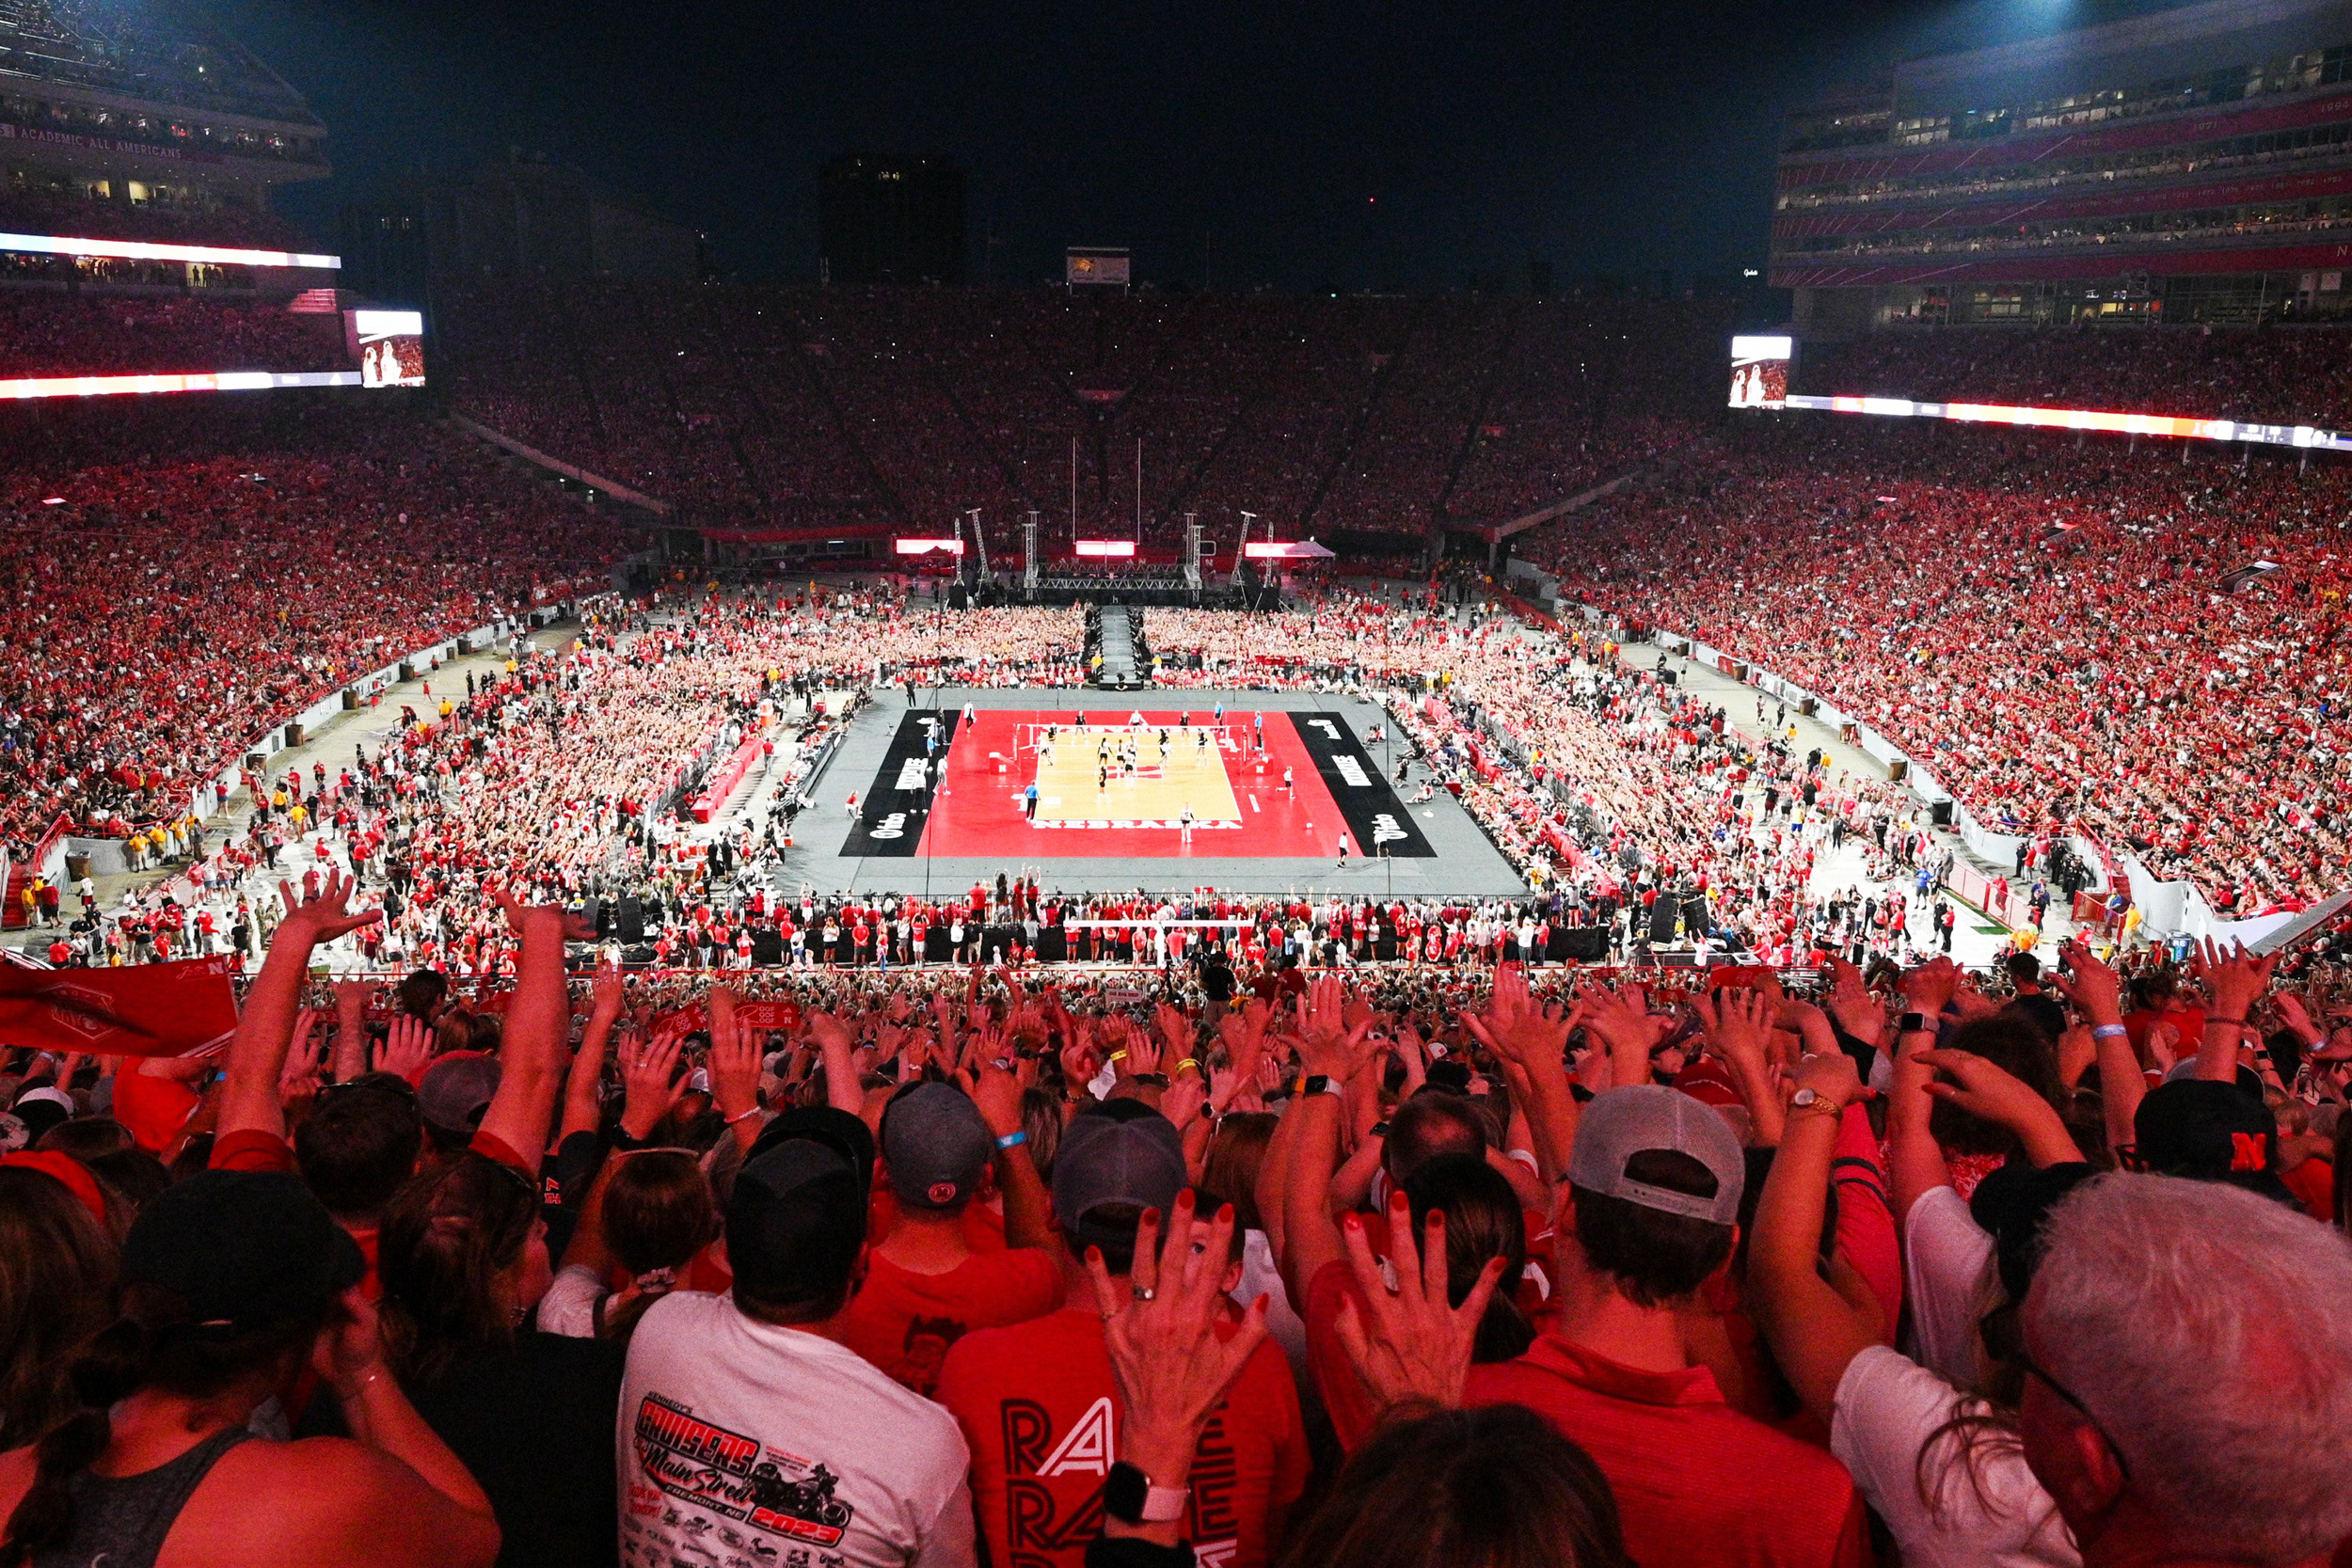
893 809
1377 819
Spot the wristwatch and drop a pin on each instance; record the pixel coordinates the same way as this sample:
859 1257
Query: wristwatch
1913 1024
1317 1083
1812 1100
1129 1496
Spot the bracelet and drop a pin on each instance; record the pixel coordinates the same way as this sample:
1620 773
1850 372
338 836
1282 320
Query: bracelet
743 1116
2214 1019
1014 1140
1193 1062
2107 1030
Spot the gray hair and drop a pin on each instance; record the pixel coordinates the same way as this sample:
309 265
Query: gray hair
2209 1333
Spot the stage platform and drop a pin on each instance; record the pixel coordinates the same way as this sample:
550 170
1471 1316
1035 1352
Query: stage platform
944 801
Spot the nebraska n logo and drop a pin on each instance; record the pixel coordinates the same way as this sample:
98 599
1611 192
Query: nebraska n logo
1086 1445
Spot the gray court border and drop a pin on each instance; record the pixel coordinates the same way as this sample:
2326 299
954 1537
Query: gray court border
1466 864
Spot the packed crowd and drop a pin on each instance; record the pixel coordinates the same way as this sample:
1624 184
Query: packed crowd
161 613
1630 806
2267 376
2144 647
899 409
1355 1271
41 335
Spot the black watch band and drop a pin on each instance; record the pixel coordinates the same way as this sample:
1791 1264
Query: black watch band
1123 1492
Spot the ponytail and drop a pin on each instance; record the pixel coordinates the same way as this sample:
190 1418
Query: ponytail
153 1343
115 1361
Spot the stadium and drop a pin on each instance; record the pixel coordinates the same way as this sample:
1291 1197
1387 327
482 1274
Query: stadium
603 810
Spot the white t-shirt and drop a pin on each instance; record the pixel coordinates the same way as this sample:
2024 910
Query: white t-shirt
1887 1408
1948 1260
569 1308
742 1441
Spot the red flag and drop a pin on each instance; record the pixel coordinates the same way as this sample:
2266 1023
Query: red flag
172 1009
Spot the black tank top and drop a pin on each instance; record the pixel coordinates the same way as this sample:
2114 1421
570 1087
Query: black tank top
121 1521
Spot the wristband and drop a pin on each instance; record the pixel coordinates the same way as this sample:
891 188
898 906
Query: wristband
1118 1055
2107 1030
744 1116
1014 1140
1193 1062
2236 1022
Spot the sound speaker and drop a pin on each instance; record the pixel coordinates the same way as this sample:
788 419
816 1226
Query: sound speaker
1579 944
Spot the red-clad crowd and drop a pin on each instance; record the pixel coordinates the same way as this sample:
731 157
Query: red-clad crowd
1340 1272
96 334
2146 644
158 614
2267 376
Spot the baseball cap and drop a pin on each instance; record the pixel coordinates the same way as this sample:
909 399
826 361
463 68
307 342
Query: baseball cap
245 1249
1117 1152
1620 1123
2208 1131
2011 1203
457 1088
796 1222
844 1133
935 1146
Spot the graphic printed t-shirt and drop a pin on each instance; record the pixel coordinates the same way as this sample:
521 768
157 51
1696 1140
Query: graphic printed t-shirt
904 1322
1038 1405
741 1440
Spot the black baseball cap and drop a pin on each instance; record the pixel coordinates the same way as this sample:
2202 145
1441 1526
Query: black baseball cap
796 1222
2209 1131
244 1250
845 1134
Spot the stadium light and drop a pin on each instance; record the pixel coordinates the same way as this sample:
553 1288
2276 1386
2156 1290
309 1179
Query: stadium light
148 251
202 381
1105 546
927 547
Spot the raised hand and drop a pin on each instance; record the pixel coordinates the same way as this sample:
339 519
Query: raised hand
408 1046
1984 1089
1411 1344
1171 1364
2234 978
650 1078
1328 1041
2091 985
298 1079
608 993
1738 1024
324 918
734 1065
1929 988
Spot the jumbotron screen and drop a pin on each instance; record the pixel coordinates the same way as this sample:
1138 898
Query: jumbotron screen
1759 371
389 345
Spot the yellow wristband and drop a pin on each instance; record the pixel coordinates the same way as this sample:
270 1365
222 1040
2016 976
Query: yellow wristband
1193 1062
1118 1055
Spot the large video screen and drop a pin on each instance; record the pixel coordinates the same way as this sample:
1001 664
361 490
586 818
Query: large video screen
389 345
1759 371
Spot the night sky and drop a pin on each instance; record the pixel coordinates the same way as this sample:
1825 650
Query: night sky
1338 145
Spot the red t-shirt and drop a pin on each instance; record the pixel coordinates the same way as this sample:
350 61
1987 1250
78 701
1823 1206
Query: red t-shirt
903 1321
1352 1412
1697 1484
1039 1406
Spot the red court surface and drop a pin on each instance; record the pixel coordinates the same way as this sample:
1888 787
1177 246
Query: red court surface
977 810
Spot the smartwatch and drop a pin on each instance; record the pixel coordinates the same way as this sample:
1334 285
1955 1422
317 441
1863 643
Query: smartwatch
1318 1083
1129 1496
1913 1024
